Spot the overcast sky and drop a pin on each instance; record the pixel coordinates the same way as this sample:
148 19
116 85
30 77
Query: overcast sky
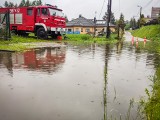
87 8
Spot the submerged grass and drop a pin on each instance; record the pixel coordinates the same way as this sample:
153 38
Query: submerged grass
17 42
150 46
151 106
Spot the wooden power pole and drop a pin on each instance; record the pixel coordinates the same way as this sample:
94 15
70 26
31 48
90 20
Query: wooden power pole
108 18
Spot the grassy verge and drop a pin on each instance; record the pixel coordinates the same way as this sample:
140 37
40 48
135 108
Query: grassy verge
84 37
17 42
151 32
150 47
87 39
151 106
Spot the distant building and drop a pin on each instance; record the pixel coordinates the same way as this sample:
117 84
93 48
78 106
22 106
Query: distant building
155 12
82 25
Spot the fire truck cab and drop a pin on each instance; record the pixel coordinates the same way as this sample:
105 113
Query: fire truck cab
43 21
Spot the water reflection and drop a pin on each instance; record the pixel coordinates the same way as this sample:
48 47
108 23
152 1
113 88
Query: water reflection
44 59
107 50
119 46
6 60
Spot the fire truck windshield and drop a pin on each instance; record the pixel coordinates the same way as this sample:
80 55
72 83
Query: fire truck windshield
54 12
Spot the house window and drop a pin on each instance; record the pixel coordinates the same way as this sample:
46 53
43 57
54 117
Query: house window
77 29
69 30
87 29
29 11
81 29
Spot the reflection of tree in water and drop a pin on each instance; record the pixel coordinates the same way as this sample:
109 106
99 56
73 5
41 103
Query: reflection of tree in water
6 59
119 46
44 59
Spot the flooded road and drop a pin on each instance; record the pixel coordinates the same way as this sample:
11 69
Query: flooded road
79 82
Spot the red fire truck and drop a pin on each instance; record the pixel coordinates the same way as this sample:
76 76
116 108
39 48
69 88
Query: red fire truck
43 21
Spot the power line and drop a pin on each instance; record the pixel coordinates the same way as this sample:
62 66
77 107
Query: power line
147 4
102 8
119 7
157 2
150 4
154 2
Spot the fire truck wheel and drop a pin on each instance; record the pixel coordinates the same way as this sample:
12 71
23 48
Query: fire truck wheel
54 36
25 34
41 33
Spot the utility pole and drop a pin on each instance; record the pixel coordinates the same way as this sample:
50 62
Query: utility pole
140 14
134 22
95 24
109 18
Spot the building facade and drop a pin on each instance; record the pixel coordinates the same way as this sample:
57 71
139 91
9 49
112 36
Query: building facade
155 12
82 25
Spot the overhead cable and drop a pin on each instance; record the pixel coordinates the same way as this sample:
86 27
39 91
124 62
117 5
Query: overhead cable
102 8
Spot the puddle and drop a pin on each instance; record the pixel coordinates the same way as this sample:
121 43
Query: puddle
92 82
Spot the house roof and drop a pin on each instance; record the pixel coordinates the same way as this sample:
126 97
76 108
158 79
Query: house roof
81 21
155 12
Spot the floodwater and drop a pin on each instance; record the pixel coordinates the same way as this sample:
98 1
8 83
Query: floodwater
79 82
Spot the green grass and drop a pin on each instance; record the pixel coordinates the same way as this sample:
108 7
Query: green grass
16 43
84 37
83 40
151 32
150 107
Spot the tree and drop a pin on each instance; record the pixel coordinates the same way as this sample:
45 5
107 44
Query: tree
10 4
113 21
27 3
16 5
121 26
66 18
39 2
105 17
6 4
34 3
142 20
22 3
121 22
121 19
133 23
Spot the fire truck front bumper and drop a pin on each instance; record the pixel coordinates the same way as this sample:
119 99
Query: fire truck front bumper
57 29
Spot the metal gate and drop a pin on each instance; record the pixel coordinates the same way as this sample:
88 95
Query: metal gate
5 25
